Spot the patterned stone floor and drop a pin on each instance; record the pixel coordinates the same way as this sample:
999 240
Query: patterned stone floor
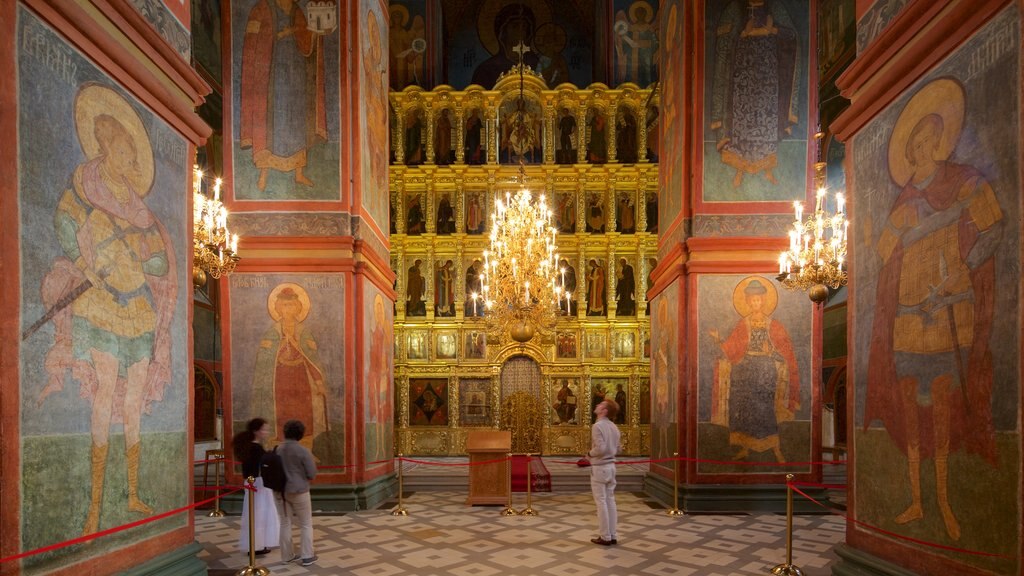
443 536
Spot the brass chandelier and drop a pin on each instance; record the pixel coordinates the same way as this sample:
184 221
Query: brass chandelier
214 248
518 284
816 259
519 288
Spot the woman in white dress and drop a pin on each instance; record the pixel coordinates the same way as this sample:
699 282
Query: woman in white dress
248 447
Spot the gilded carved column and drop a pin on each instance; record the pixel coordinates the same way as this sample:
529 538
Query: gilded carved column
491 127
429 210
400 220
460 135
399 136
460 204
430 135
609 284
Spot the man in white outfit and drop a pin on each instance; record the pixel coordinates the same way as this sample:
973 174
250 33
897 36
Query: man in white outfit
604 444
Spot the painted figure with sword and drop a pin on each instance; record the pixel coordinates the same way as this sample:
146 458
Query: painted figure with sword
930 362
111 296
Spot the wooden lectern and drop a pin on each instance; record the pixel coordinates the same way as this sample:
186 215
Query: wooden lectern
488 483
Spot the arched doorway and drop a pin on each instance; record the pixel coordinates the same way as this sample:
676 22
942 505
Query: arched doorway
521 407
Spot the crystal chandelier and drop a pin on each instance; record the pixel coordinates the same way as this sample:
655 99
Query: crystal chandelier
816 259
214 249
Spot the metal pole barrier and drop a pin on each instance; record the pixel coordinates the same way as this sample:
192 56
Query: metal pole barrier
675 511
788 569
217 467
252 569
509 510
400 511
528 511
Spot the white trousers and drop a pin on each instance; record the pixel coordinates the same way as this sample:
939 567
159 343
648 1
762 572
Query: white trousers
300 505
602 484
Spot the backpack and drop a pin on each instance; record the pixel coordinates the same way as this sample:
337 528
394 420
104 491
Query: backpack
272 471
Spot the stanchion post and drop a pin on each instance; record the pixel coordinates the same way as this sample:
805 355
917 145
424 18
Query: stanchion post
400 511
675 511
788 569
528 511
252 569
217 467
509 510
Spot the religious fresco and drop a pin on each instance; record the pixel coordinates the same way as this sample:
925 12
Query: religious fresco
671 119
565 346
374 133
635 42
614 389
623 344
625 212
407 43
378 357
597 346
837 33
417 345
644 401
835 171
475 345
520 131
285 79
206 39
476 212
475 402
664 373
287 355
596 218
164 21
625 290
567 403
416 287
445 277
446 345
596 293
754 400
755 94
875 20
554 38
428 401
100 420
935 344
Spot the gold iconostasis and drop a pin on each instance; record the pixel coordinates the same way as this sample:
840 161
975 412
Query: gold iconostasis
593 154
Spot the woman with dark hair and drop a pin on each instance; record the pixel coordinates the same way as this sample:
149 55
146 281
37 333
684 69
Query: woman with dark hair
248 448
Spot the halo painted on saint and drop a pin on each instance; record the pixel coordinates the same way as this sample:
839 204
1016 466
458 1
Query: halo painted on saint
739 296
94 100
943 97
299 291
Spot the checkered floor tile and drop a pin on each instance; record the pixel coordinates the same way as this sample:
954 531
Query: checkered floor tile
443 536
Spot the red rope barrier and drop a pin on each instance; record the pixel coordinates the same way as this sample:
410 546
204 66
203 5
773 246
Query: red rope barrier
212 488
342 466
211 460
900 536
108 531
819 485
427 463
727 462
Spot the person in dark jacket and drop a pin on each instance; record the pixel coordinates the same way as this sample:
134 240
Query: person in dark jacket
299 469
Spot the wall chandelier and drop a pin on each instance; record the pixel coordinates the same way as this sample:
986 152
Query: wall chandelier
518 284
816 259
214 249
